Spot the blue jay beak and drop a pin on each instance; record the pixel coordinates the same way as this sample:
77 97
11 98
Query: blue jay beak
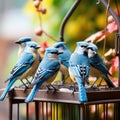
94 52
60 52
37 47
18 42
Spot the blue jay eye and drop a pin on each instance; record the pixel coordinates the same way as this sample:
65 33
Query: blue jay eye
53 52
58 46
83 46
32 46
90 48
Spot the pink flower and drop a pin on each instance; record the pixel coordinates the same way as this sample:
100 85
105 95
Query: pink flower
112 27
114 65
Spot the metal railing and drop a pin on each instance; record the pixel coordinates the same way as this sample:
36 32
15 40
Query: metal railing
103 104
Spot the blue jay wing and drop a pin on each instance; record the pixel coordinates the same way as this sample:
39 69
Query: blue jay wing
42 75
98 63
82 91
84 70
22 65
80 71
46 70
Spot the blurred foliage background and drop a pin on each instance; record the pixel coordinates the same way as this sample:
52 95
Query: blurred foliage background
87 19
20 18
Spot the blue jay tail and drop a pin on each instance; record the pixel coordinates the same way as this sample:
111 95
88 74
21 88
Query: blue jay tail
9 78
32 93
108 81
2 97
82 91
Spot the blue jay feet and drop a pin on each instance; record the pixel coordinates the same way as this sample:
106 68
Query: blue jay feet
94 83
51 87
26 85
62 82
74 88
64 78
28 81
87 82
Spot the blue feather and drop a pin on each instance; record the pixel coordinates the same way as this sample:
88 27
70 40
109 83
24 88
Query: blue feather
33 92
2 97
82 91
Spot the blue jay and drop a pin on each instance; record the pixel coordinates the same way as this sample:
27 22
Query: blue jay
25 67
98 67
79 68
46 71
22 43
64 57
